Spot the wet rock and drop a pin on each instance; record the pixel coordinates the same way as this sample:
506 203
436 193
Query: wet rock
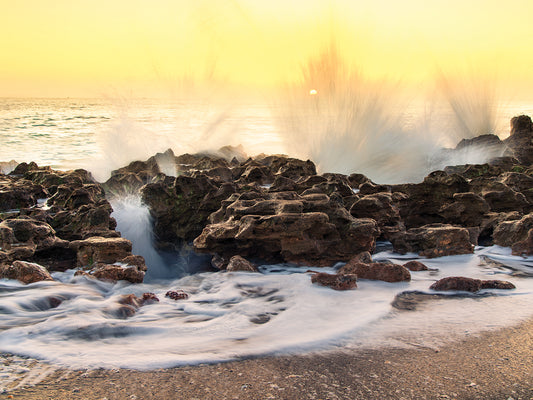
149 298
381 208
371 188
496 284
377 271
425 201
115 273
177 295
284 226
25 272
521 139
466 209
137 302
490 222
411 300
462 283
524 247
364 257
238 263
335 281
436 240
101 250
181 210
508 233
415 266
472 171
19 193
457 283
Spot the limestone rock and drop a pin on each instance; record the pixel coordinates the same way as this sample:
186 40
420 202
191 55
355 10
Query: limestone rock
25 272
238 263
377 271
335 281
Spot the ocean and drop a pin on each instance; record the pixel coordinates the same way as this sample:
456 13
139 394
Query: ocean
231 315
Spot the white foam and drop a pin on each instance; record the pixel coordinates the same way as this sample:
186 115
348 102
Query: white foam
234 315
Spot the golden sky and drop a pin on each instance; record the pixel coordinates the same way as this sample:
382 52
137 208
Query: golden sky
90 48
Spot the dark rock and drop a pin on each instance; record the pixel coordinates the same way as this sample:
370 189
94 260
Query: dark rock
101 250
462 283
496 284
490 222
381 208
238 263
376 271
457 283
177 295
508 233
521 123
415 266
335 281
371 188
115 273
25 272
524 247
287 227
466 209
436 240
425 201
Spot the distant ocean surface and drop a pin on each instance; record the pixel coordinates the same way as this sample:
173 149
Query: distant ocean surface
67 133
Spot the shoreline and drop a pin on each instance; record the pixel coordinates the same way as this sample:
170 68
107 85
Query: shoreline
490 365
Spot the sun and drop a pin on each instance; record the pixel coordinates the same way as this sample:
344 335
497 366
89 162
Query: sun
313 92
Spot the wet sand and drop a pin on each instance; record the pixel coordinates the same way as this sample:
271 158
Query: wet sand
491 365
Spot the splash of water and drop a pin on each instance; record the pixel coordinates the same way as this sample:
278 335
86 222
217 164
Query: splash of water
346 123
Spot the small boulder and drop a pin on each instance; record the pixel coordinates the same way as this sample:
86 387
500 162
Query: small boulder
415 266
177 295
377 271
238 263
25 272
464 284
335 281
524 247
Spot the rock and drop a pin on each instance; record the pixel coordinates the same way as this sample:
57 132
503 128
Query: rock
467 209
238 263
177 295
25 272
101 250
181 210
520 124
371 188
149 298
115 273
381 208
415 266
436 240
425 201
311 230
490 222
462 283
335 281
508 233
364 257
377 271
520 140
496 284
19 193
457 283
524 247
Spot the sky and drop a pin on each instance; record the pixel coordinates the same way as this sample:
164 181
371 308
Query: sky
161 48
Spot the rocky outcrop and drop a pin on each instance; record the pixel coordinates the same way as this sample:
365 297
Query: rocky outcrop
335 281
177 295
25 272
524 247
436 240
238 263
425 201
462 283
415 266
311 230
508 233
377 271
521 139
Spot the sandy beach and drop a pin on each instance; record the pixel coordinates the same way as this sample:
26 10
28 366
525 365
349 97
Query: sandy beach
491 365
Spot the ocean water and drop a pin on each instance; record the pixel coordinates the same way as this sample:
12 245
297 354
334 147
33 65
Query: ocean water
227 315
